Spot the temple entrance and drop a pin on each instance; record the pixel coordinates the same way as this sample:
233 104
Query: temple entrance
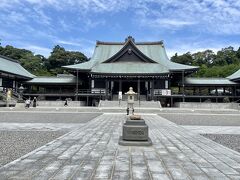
127 84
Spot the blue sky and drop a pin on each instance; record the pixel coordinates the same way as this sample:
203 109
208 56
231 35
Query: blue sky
190 25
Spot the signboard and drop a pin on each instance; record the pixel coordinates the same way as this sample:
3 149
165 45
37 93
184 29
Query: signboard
120 95
163 92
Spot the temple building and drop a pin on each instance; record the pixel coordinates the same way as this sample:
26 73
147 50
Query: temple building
12 73
145 66
116 66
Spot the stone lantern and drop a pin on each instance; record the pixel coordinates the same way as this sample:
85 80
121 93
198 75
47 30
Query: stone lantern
135 130
130 100
20 90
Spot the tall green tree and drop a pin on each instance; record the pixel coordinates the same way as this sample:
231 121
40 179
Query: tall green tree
183 59
220 64
60 57
38 64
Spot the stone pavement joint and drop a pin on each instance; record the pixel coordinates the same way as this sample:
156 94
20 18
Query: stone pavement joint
91 151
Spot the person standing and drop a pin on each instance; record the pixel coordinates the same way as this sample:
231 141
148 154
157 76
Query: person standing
34 102
28 102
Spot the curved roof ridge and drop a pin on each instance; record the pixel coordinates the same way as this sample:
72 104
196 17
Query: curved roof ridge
234 76
14 67
152 50
123 43
10 59
129 41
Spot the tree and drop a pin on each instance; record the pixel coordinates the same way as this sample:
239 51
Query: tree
238 53
222 64
183 59
206 57
38 64
60 57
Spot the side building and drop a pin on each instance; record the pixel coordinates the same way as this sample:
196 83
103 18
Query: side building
12 74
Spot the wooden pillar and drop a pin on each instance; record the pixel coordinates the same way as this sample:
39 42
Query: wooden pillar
146 87
76 97
183 86
87 100
106 88
111 87
120 84
169 83
235 90
138 86
152 89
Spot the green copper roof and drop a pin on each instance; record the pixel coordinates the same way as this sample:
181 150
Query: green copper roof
11 66
208 81
235 75
154 51
52 80
129 68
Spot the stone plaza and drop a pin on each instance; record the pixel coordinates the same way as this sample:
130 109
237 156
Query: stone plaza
87 145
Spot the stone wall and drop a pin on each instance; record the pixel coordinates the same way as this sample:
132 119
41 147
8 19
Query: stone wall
60 103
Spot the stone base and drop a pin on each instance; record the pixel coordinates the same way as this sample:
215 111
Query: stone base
134 143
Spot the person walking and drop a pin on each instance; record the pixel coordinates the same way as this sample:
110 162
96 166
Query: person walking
66 102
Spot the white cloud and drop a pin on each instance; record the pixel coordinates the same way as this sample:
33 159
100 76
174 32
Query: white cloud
166 23
214 16
89 24
38 49
44 19
71 43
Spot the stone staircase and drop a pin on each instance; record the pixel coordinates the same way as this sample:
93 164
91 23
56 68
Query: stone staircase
123 104
124 97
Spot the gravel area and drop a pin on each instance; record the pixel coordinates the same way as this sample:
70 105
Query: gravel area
46 117
203 120
228 140
14 144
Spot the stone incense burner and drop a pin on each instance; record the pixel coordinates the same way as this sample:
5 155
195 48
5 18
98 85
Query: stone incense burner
135 132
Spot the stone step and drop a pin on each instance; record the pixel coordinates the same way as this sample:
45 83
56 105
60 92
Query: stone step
124 97
123 104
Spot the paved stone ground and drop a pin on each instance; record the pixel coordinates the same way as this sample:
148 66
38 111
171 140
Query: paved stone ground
92 152
26 116
204 119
